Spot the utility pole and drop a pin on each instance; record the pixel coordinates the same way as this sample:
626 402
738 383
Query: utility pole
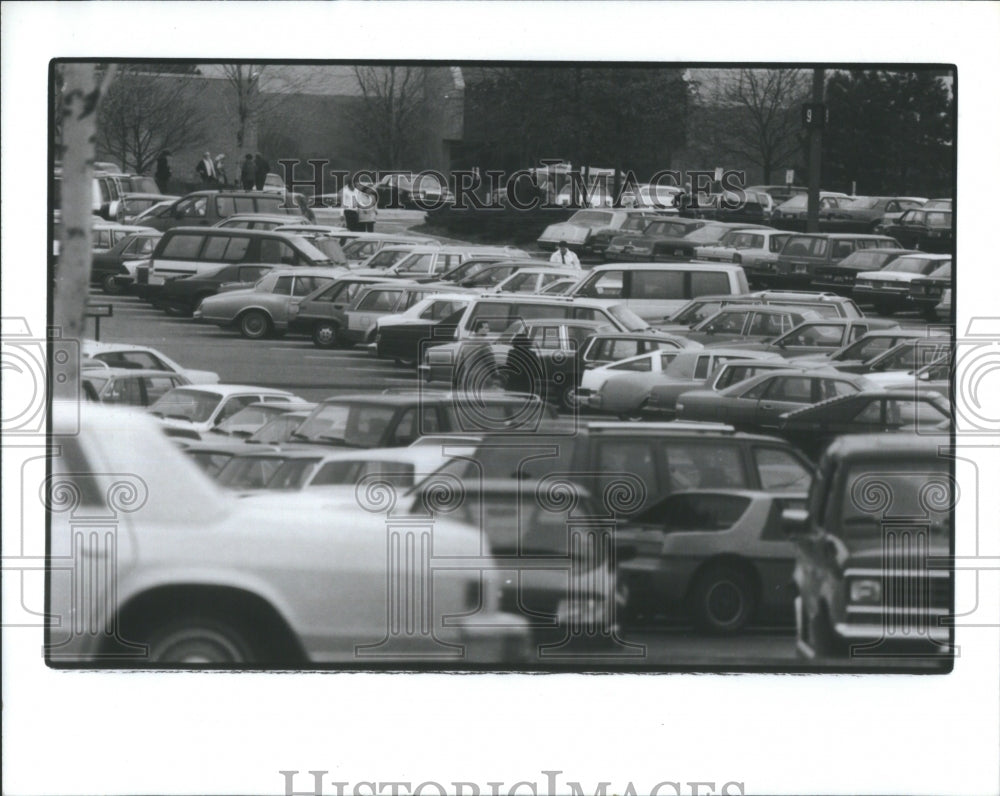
814 117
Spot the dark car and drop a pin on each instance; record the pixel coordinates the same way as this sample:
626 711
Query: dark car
184 294
926 292
813 428
909 353
827 305
924 229
107 269
803 254
749 322
888 289
662 239
404 338
635 223
719 556
207 208
865 213
391 420
879 515
840 278
812 336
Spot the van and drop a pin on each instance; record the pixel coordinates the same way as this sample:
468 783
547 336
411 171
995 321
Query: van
184 251
207 208
655 290
803 254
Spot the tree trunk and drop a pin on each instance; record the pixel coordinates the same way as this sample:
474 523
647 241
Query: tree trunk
81 96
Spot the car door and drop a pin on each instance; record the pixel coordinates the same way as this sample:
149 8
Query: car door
784 393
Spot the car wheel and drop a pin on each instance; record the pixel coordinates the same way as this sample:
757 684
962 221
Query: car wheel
108 286
199 640
325 335
568 398
723 600
255 324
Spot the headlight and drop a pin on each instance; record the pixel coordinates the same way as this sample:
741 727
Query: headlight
867 591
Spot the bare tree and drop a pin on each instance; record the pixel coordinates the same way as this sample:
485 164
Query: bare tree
247 101
389 117
144 113
758 117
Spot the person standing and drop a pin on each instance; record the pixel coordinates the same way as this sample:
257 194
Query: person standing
563 256
206 169
349 202
367 201
220 170
163 172
247 172
260 171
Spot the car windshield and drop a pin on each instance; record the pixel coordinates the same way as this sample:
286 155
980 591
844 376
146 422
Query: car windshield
909 488
591 218
707 234
911 265
186 404
279 429
330 248
666 229
293 473
266 283
351 424
634 223
386 258
797 202
248 420
248 472
943 272
939 219
865 258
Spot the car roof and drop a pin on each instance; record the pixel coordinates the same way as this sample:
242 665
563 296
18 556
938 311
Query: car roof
651 266
257 233
894 393
230 389
120 372
879 446
420 397
564 322
843 236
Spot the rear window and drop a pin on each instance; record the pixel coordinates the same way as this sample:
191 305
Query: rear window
805 246
658 285
912 265
181 247
227 206
225 249
705 283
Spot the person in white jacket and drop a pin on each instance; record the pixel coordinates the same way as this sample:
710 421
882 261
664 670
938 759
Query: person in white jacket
563 256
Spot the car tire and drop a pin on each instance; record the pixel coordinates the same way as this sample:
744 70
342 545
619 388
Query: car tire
108 286
568 399
723 599
199 640
326 335
255 325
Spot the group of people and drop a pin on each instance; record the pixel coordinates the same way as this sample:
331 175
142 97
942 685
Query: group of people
253 171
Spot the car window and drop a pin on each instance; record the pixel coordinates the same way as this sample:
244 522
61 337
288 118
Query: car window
182 247
379 300
794 389
779 470
699 312
251 273
157 386
283 287
832 388
703 367
704 465
638 365
824 335
911 411
730 322
767 323
233 404
619 349
132 359
777 242
416 264
657 285
757 391
520 283
304 285
193 208
870 414
607 284
124 391
278 252
636 457
705 283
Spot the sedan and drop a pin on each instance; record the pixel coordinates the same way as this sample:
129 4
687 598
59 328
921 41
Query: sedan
128 387
839 278
888 289
925 229
107 268
748 323
190 411
812 428
812 336
720 556
926 292
184 294
203 579
126 355
401 337
759 403
263 309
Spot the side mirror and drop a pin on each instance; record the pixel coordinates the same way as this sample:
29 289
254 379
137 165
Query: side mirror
795 522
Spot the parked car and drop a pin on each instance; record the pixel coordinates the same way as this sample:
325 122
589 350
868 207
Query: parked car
133 204
888 289
792 213
402 336
392 420
655 290
412 191
266 221
388 256
138 357
865 589
890 216
780 193
749 323
492 274
636 220
934 376
254 416
128 387
602 349
906 355
373 302
279 429
662 239
926 292
534 279
428 263
803 254
107 267
840 278
363 245
262 310
720 556
183 294
826 305
867 348
206 208
925 229
471 267
322 313
759 403
199 580
578 229
190 411
746 247
812 428
624 388
810 336
868 213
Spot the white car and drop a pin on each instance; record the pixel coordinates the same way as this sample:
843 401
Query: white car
748 247
193 410
191 576
533 280
888 289
126 355
594 379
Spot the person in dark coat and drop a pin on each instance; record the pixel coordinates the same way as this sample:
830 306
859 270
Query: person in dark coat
260 171
206 170
247 172
163 172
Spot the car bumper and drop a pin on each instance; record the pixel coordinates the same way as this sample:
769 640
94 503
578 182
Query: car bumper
878 296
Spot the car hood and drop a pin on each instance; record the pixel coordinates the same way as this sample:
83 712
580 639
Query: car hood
201 376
